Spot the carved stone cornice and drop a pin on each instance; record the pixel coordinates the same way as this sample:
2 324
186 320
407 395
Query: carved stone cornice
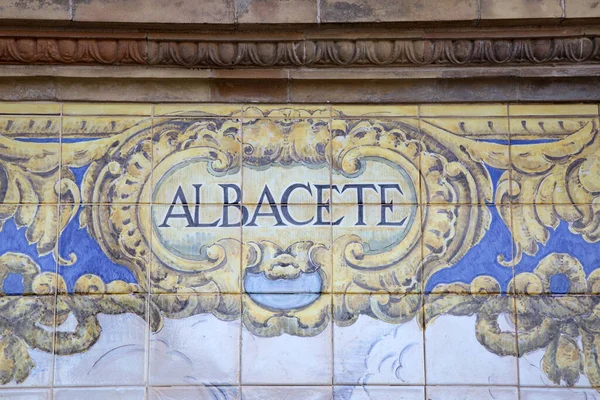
476 48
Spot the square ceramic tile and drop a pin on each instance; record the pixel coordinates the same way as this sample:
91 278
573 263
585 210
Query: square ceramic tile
376 248
288 249
284 343
555 168
286 111
117 267
470 340
87 128
25 394
30 108
28 241
561 355
197 161
106 159
194 393
196 249
289 392
379 392
375 161
478 147
118 393
483 236
490 129
26 341
471 393
198 110
368 350
553 109
286 161
558 394
29 165
557 244
101 340
547 129
107 109
183 352
367 111
463 110
33 129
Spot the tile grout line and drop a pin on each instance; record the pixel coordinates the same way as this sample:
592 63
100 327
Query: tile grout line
421 206
149 263
57 257
512 249
331 271
241 269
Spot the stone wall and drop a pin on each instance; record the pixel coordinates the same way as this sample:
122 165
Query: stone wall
228 13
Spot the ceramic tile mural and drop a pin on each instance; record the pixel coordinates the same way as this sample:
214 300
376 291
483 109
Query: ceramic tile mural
220 251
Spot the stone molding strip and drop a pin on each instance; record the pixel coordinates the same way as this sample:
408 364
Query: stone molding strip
294 50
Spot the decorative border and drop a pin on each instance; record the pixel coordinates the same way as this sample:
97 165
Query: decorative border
262 51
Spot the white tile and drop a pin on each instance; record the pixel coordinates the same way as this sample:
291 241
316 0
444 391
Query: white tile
455 357
119 393
196 350
288 393
194 393
379 393
117 358
559 394
25 394
286 359
374 352
471 393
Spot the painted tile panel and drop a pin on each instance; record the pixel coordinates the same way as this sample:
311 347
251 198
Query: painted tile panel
371 352
289 392
379 392
483 347
280 153
119 393
487 267
558 394
25 394
27 344
375 161
27 249
235 251
101 340
175 357
471 393
30 160
83 266
197 160
291 348
548 366
194 393
195 249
